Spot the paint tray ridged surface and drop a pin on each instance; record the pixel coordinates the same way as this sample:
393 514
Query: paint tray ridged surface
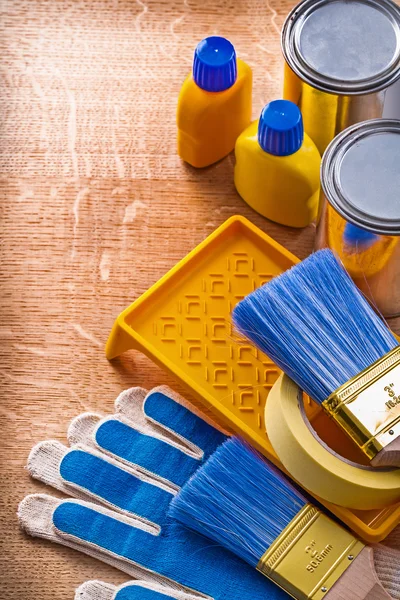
183 323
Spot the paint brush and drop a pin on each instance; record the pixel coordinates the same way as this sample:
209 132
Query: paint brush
314 323
239 500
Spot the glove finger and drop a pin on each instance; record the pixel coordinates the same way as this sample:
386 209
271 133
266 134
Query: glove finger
134 590
164 408
129 408
95 590
85 474
75 523
119 439
44 465
149 591
112 534
167 413
160 436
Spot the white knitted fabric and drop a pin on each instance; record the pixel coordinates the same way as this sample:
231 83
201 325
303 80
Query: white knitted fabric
95 590
35 511
35 517
387 565
98 590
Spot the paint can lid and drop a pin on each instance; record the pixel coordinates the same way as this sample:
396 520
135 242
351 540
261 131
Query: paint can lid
360 175
280 128
344 46
214 64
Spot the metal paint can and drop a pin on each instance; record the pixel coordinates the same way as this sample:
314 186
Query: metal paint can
391 110
360 200
341 57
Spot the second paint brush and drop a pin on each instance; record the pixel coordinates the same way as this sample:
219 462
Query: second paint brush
241 501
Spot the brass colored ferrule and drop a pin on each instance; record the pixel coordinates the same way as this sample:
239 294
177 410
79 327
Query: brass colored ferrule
310 555
367 407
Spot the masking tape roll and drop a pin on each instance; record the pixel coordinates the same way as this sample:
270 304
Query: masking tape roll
315 466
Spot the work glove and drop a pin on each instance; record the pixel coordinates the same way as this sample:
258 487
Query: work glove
120 474
133 590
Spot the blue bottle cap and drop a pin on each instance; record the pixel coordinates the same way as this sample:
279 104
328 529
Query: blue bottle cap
214 65
280 129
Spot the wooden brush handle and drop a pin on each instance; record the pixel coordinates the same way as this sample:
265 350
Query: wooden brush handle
389 456
359 581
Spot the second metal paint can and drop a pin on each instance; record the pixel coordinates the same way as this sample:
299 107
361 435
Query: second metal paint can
360 216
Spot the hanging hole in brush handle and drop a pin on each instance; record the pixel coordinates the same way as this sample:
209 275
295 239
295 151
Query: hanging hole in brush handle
389 456
359 581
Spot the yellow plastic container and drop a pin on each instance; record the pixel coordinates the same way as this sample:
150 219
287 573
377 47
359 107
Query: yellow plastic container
214 104
277 166
183 323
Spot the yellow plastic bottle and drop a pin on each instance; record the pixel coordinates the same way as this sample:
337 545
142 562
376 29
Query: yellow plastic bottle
214 104
277 166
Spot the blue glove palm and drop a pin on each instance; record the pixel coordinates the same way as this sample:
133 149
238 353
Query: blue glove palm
124 480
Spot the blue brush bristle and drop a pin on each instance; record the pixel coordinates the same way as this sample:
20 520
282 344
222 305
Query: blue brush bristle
315 325
355 237
239 500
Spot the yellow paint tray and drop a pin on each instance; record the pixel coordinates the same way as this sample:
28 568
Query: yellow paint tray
183 323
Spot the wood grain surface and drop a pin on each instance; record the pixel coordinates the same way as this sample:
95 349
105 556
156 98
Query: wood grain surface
96 206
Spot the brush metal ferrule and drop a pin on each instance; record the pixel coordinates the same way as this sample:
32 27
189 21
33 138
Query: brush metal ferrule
310 555
367 407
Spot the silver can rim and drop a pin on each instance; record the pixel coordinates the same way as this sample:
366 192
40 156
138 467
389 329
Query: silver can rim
327 84
330 185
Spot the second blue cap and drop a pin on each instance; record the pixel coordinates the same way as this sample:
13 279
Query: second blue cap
214 65
280 129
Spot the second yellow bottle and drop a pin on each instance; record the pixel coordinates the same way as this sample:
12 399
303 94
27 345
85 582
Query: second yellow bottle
277 166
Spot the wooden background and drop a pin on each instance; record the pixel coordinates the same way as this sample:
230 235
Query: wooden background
96 206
